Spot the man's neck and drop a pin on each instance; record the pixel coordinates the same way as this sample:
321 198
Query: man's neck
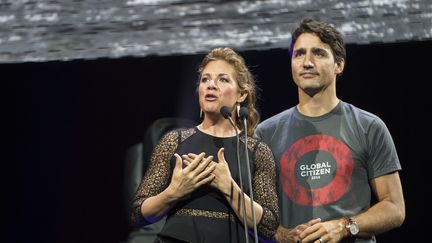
317 105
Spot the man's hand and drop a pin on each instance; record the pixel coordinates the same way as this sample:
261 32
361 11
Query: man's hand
285 235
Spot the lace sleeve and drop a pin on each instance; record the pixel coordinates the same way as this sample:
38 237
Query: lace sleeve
264 186
157 177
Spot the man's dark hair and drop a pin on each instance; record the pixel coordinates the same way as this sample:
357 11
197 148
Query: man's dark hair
327 34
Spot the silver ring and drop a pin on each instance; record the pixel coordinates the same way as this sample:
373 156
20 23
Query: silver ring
321 240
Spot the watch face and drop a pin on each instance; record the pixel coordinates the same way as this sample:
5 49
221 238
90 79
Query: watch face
353 227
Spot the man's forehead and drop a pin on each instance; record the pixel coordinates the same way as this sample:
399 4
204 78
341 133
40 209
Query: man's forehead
310 41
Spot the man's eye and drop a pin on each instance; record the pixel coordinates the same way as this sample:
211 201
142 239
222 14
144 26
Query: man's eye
298 54
320 53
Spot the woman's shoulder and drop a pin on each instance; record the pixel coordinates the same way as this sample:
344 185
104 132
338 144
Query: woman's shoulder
254 142
174 134
185 133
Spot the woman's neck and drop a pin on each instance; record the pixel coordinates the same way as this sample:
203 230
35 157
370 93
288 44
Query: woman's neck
218 128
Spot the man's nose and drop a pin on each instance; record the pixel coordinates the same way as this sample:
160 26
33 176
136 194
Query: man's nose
308 61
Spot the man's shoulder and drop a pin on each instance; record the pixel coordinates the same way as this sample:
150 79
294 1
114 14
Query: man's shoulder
365 121
276 119
359 113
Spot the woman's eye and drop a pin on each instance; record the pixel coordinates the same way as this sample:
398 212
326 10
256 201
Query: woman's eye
224 80
203 80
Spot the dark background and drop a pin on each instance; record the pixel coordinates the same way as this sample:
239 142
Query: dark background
73 122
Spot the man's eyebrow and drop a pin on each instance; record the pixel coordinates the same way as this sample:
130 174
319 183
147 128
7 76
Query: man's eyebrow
301 49
319 50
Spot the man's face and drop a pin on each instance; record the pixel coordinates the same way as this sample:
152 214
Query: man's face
313 65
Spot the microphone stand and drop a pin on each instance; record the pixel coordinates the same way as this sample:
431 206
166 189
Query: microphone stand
243 115
226 113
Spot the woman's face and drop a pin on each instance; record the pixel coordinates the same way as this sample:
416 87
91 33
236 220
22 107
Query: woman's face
218 87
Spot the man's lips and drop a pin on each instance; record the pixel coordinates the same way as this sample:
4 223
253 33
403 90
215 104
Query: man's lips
309 74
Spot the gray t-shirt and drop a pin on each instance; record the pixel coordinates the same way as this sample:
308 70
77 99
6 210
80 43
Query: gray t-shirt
325 163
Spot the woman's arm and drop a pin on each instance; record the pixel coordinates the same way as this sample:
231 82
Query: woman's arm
156 193
232 192
183 182
264 186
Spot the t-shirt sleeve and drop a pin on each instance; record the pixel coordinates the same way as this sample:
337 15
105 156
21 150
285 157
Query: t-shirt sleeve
383 158
258 132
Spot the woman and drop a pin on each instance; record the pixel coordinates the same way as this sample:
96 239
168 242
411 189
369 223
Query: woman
200 193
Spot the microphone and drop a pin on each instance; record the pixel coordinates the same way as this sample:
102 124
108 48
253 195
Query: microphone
226 113
243 115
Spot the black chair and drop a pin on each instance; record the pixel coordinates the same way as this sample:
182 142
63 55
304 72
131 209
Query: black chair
136 163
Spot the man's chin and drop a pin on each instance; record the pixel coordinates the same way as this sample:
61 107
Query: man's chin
312 90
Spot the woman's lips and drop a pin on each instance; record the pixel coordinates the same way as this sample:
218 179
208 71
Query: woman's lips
210 97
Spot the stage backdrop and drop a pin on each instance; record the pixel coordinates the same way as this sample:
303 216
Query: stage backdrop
73 122
46 30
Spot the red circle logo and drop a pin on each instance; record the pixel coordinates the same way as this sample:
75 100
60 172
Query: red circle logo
335 188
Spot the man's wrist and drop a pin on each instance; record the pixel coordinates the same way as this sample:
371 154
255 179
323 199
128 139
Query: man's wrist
351 226
344 223
284 235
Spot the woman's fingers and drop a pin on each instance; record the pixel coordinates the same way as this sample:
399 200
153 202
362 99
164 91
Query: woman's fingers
201 169
205 174
194 163
203 164
206 180
188 158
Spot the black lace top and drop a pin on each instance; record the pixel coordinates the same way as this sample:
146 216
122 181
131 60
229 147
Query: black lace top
205 215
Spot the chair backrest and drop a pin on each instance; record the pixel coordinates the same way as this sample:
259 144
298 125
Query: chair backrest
138 155
157 129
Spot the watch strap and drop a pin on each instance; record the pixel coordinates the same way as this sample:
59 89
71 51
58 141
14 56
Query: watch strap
348 222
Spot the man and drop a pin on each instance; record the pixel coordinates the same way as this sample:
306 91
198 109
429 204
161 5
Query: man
330 154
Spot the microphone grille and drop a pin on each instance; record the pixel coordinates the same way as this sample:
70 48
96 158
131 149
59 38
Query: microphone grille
225 111
243 112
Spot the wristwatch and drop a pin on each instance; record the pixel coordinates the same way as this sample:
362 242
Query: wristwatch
352 227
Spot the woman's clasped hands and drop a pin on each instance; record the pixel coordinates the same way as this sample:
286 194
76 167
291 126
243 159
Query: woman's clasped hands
217 174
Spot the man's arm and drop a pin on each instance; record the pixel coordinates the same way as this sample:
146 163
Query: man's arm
388 213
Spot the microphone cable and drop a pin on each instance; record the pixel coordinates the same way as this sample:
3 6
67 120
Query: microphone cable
225 111
243 114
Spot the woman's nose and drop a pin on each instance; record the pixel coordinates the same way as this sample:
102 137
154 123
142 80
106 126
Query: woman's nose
211 84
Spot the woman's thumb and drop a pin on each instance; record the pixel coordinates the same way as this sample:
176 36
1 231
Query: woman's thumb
179 160
221 155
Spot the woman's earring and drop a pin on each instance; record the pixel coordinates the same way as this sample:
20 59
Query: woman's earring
201 113
238 110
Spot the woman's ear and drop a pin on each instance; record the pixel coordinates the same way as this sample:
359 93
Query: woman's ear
242 96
